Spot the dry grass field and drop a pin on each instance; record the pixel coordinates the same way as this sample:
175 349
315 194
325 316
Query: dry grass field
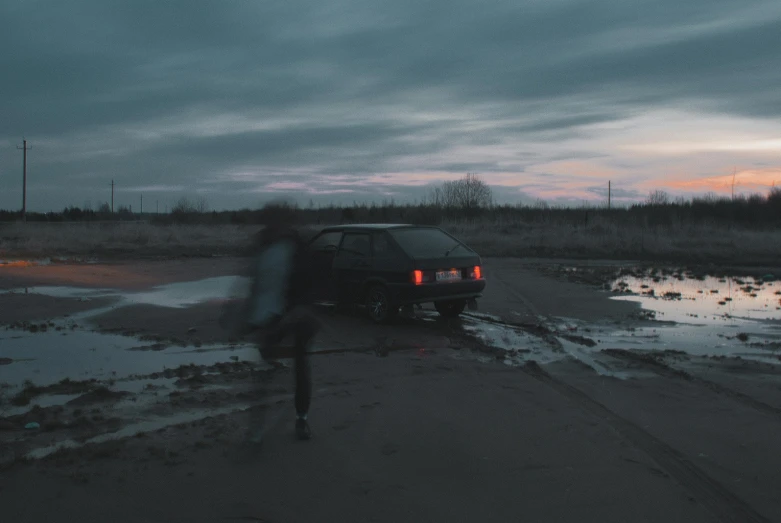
597 240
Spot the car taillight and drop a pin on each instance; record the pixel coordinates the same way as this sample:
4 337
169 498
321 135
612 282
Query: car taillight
417 277
476 273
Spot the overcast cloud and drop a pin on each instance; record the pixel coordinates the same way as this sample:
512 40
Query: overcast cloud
241 101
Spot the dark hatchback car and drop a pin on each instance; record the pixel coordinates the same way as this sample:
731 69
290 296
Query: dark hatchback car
385 267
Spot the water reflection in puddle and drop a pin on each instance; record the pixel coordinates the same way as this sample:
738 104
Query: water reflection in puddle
174 295
705 301
744 325
708 316
51 356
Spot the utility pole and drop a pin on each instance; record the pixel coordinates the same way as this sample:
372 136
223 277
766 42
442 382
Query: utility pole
24 179
608 194
142 204
112 197
734 171
157 206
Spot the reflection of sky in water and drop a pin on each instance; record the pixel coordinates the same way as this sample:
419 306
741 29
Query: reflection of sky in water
188 293
699 304
48 357
694 340
175 295
63 292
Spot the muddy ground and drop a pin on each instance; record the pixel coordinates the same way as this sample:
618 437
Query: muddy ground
573 394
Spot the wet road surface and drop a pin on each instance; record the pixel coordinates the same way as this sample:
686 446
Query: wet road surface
678 387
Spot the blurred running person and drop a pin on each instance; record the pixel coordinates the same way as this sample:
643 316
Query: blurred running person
279 303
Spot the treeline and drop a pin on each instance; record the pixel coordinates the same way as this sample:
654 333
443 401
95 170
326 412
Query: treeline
468 199
754 211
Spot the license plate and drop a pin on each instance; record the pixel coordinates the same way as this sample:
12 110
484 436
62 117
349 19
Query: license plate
451 275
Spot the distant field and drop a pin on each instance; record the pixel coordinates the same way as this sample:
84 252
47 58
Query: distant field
121 239
689 244
694 244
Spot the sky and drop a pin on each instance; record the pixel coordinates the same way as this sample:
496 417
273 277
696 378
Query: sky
242 101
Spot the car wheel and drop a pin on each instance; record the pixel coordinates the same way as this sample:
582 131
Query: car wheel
379 305
450 308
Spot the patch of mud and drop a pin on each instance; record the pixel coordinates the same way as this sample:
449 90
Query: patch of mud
693 340
515 345
66 386
580 340
588 275
98 395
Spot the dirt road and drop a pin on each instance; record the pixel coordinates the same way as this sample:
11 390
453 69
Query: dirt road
556 402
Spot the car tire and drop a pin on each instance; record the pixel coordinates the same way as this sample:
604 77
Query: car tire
379 305
450 308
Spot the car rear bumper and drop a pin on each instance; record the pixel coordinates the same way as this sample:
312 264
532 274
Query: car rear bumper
408 293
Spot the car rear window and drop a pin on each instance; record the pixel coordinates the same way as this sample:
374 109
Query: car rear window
427 243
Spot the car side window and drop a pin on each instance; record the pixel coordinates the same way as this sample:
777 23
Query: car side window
326 241
382 246
355 244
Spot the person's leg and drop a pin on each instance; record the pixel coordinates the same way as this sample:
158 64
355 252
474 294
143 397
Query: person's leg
305 332
267 338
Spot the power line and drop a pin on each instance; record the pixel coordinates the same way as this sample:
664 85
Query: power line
24 178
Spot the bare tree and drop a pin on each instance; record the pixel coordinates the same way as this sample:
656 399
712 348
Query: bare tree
658 197
774 196
201 205
183 206
436 198
469 193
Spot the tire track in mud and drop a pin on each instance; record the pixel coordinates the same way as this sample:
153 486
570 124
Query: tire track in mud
535 329
662 369
716 498
520 297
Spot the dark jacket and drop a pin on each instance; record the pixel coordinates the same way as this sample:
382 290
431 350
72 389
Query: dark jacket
300 286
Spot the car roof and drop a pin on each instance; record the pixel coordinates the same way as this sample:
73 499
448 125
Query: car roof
372 226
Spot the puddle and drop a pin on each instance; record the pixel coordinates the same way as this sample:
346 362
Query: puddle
186 294
43 261
63 292
696 341
24 263
48 357
174 295
709 316
710 301
755 340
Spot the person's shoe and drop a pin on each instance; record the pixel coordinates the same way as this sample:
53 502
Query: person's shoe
302 429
